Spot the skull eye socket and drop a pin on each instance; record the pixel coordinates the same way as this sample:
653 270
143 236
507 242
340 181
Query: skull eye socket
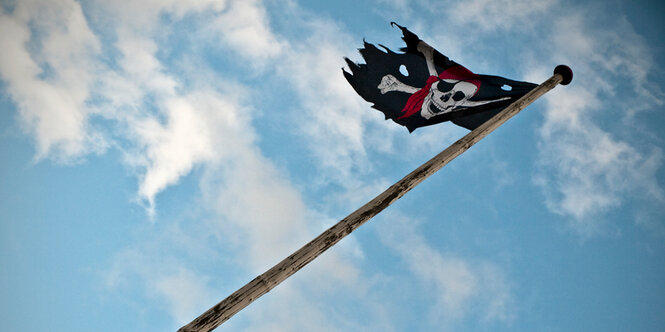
459 95
444 86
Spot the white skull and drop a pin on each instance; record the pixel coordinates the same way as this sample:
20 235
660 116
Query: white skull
445 96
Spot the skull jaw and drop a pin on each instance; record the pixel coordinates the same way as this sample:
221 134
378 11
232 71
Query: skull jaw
433 101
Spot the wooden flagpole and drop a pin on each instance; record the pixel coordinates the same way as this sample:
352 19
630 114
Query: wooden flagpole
262 284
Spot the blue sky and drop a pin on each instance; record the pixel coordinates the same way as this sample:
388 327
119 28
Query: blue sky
158 155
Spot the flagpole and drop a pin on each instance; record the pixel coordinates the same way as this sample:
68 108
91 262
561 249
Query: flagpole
262 284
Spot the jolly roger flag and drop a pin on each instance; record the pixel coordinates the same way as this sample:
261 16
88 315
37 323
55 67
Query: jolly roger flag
432 89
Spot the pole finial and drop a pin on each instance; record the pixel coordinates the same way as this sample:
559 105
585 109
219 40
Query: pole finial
565 72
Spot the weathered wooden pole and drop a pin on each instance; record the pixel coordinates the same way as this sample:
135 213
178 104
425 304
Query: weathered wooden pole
262 284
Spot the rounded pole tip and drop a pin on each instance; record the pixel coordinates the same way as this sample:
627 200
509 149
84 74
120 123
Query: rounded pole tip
565 72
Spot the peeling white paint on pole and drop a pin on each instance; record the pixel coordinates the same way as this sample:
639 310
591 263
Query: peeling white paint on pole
262 284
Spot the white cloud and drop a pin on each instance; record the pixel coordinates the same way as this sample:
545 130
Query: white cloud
457 286
167 280
496 14
140 65
264 211
584 170
290 310
263 218
54 67
146 16
244 27
187 128
166 130
608 59
184 292
196 131
48 57
331 107
172 128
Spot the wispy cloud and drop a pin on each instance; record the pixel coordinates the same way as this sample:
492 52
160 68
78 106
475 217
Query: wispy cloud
165 280
244 27
48 64
584 170
458 286
184 291
492 15
256 213
198 128
166 125
313 68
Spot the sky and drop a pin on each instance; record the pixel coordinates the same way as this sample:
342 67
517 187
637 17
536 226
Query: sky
155 156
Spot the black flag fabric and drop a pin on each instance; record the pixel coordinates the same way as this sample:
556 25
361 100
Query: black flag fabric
422 87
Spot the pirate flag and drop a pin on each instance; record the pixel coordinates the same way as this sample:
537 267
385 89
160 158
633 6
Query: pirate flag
432 89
